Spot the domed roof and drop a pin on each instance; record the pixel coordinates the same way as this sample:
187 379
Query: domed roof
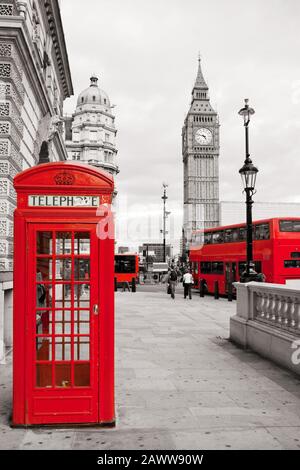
93 95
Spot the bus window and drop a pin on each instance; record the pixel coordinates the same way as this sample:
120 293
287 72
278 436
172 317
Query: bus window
205 267
207 238
217 267
235 235
262 232
125 264
228 236
242 267
242 234
292 263
218 237
195 268
289 225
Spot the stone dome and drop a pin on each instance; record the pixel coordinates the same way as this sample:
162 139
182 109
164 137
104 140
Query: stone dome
93 95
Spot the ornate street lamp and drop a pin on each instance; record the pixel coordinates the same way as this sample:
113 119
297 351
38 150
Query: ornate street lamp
164 231
248 173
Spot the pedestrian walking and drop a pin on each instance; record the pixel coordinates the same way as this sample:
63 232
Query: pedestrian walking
188 281
172 282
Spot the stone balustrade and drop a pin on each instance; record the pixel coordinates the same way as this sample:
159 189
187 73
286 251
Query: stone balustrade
277 306
267 320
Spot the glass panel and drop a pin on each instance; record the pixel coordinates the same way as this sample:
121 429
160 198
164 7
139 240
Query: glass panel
289 225
82 269
43 297
62 295
292 263
207 238
44 322
81 348
217 267
82 292
217 237
125 264
81 316
82 328
63 243
63 269
82 243
228 236
242 267
44 375
63 348
82 375
262 232
205 267
63 315
44 269
63 328
44 349
235 234
243 233
44 243
63 375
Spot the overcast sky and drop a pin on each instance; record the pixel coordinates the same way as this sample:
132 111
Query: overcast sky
145 54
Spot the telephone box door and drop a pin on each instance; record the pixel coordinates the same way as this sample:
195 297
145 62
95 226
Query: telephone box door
62 324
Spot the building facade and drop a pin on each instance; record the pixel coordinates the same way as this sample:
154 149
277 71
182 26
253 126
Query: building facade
156 250
200 151
90 131
34 81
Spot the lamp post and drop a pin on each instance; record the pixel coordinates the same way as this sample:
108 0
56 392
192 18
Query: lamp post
165 215
248 173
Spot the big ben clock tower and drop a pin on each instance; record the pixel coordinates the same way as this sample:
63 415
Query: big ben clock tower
200 150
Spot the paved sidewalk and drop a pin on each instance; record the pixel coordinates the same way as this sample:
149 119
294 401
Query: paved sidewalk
180 384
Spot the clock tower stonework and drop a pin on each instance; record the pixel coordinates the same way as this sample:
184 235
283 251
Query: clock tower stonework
200 150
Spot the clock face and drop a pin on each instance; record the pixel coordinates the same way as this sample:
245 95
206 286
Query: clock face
203 136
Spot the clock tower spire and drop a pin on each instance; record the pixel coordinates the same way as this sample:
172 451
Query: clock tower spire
200 151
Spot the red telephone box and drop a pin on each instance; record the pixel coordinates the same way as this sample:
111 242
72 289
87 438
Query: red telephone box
63 296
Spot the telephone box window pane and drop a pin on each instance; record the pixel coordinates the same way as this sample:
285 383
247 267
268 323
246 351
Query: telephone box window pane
43 299
63 375
81 316
81 348
44 349
44 322
82 375
82 292
43 375
62 296
62 348
82 243
44 269
63 269
62 316
82 269
44 243
63 243
82 328
63 328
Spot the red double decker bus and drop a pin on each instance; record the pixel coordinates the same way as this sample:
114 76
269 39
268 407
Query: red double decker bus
222 254
126 267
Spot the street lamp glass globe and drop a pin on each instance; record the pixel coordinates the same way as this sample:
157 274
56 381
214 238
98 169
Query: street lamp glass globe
248 173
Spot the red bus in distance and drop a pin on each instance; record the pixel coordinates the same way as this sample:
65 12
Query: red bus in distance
126 267
222 255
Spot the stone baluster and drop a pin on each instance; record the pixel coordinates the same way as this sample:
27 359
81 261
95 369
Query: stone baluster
276 308
297 313
289 313
269 307
259 305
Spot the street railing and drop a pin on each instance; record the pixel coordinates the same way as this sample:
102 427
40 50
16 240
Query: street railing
272 304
